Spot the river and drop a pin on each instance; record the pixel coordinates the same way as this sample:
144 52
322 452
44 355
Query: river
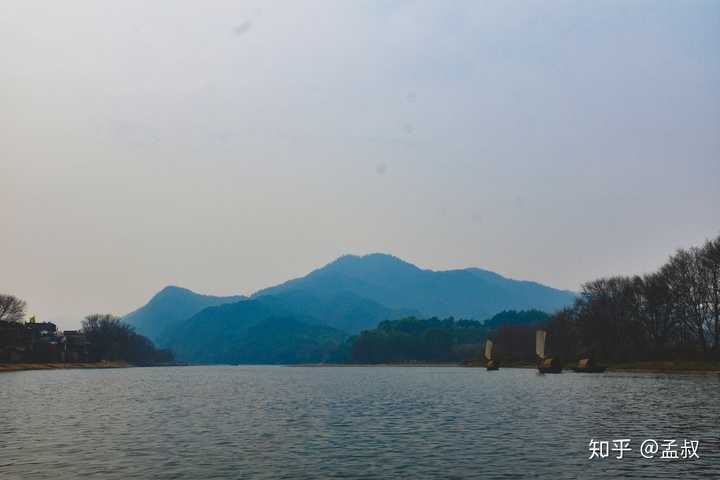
228 422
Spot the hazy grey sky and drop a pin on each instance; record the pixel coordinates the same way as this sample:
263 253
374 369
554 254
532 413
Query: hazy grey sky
228 146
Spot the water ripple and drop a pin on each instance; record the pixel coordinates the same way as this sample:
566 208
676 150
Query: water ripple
350 423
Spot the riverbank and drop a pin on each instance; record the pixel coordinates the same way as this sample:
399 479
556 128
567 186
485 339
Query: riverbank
379 365
668 366
657 366
17 367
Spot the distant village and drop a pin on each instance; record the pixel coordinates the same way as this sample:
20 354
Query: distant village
104 339
40 342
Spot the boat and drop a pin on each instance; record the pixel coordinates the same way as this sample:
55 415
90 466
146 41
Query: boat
588 365
491 364
545 364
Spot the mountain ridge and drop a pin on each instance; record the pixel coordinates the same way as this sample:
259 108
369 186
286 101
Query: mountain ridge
395 283
172 304
344 297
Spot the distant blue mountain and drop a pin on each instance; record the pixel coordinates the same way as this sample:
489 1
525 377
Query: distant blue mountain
169 307
290 327
343 310
396 284
306 319
253 331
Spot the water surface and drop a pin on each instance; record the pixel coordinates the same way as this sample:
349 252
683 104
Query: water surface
348 422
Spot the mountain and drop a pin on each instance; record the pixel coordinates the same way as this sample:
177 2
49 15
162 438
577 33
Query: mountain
399 285
342 310
169 307
253 331
308 319
286 340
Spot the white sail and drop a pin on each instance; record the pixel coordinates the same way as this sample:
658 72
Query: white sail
540 343
488 349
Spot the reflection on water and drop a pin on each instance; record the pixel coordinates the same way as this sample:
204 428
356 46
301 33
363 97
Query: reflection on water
295 422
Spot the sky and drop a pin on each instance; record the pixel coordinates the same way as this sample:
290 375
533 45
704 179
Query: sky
227 146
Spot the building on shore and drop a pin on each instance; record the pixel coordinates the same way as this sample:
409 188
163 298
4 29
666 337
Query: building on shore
47 344
40 342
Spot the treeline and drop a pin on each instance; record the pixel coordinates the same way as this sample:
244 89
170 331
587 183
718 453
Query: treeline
110 339
102 338
670 314
673 313
433 340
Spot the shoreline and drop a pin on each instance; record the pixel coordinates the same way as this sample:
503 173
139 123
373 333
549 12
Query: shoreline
21 367
670 366
665 367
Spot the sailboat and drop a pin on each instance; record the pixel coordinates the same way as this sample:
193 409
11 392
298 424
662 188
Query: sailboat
588 365
545 364
491 364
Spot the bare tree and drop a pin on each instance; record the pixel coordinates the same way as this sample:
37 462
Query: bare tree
657 310
111 339
674 311
608 317
709 258
12 309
